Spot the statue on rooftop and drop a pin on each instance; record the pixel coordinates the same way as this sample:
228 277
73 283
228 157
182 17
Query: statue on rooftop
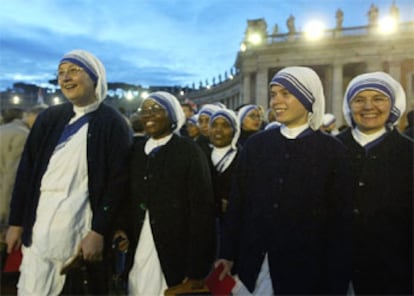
291 25
339 19
395 11
373 15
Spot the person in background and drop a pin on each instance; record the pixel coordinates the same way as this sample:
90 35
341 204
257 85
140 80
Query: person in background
12 139
328 124
203 123
382 163
409 129
188 112
13 136
224 132
167 222
8 115
71 179
287 226
250 121
193 130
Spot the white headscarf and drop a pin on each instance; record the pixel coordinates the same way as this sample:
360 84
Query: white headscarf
328 119
208 109
170 103
93 66
306 86
231 118
379 81
244 111
222 158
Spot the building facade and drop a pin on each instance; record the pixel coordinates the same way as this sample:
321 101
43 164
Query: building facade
338 56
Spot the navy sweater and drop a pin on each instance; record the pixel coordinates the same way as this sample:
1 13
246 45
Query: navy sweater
108 145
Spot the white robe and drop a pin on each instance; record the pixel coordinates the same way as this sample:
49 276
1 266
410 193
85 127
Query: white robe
63 217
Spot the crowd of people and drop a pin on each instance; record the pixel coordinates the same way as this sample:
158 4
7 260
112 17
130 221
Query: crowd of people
279 199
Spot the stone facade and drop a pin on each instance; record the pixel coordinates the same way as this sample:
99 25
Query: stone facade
337 57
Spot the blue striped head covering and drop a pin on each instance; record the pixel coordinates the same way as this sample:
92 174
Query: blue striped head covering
381 82
193 119
92 66
246 110
306 86
171 104
231 117
208 109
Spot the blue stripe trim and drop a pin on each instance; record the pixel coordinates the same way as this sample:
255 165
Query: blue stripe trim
226 116
166 105
246 111
84 66
295 88
378 85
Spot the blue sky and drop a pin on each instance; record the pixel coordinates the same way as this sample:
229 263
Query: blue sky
152 42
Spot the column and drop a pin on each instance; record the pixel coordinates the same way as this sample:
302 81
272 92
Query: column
395 70
246 88
262 87
337 93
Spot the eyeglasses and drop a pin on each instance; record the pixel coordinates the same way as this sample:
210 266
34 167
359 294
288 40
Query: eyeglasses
378 101
153 110
254 117
71 71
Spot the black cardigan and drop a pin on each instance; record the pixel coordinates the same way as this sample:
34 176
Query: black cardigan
290 199
383 212
175 186
108 145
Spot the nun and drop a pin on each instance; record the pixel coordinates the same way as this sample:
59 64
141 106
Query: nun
203 124
382 165
70 181
168 218
250 122
224 132
287 227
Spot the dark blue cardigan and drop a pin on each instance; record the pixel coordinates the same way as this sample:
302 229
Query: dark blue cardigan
108 145
290 200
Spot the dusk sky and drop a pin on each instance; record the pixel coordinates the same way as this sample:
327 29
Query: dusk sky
152 43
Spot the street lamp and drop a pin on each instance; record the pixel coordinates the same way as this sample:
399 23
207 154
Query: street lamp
314 30
16 100
387 25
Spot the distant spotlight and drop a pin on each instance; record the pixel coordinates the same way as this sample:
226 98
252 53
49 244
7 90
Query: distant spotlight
16 100
181 93
129 96
56 100
243 47
255 39
387 25
314 30
144 94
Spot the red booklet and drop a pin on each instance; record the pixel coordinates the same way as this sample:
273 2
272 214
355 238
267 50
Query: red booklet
217 287
13 261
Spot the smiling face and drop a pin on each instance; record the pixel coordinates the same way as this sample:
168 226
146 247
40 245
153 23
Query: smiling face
76 84
155 120
287 108
370 110
221 132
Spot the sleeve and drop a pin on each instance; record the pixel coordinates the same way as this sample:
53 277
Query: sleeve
110 175
202 222
233 221
339 223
